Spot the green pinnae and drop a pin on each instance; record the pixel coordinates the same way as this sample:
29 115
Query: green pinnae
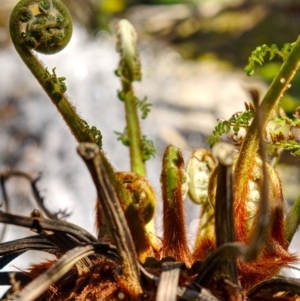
41 20
97 135
147 148
30 43
60 18
25 14
45 5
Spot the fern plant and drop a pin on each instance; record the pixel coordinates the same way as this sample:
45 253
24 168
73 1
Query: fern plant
258 55
243 237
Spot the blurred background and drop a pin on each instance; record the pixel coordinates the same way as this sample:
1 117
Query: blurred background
193 54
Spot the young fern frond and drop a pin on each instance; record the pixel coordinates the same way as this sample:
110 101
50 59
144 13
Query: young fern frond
235 123
46 26
258 55
129 70
130 65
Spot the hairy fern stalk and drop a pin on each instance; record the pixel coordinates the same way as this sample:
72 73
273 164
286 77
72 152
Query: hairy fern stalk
243 236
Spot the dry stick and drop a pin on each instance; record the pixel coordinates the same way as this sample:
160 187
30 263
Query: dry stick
113 212
48 224
274 286
61 240
6 174
224 220
141 239
168 281
6 203
191 295
218 257
183 292
12 249
40 284
24 244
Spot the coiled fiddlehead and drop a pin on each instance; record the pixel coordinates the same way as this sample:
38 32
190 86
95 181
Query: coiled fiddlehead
46 27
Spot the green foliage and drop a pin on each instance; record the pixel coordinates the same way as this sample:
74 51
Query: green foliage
94 131
97 135
120 92
148 149
235 124
59 80
144 106
283 120
123 137
282 136
291 145
258 55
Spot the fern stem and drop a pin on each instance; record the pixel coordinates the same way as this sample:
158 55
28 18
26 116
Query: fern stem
134 132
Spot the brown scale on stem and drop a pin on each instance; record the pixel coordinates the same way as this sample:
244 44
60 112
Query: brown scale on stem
174 188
